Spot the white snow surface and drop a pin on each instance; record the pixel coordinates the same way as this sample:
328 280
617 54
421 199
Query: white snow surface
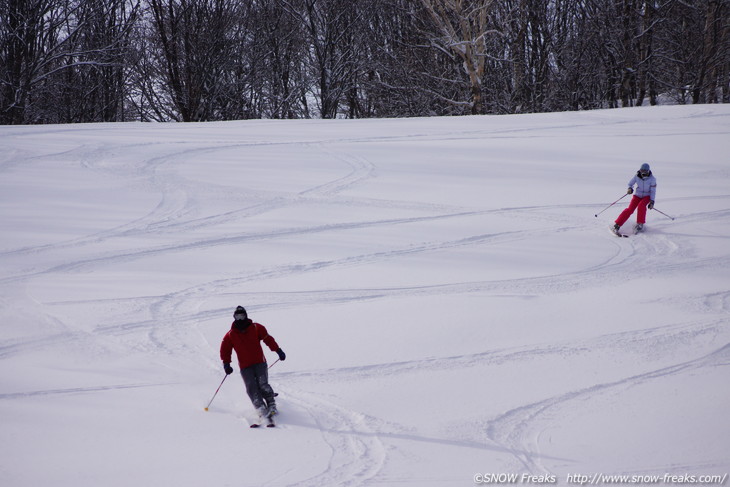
449 303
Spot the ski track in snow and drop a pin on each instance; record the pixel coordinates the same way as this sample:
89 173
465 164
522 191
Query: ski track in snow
357 453
75 390
356 442
520 428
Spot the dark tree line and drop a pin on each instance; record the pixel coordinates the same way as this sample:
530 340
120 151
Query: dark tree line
198 60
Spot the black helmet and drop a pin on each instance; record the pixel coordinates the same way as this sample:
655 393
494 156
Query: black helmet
240 313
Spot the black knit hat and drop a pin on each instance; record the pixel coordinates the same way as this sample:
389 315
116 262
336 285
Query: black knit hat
240 313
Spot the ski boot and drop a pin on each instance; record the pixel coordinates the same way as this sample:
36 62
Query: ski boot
272 411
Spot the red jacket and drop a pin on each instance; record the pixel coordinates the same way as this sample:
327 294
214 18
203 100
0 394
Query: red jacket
247 344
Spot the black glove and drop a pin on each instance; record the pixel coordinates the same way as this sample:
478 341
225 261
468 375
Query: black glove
281 354
630 191
227 367
651 205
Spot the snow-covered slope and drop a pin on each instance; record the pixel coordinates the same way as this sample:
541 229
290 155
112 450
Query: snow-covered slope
450 306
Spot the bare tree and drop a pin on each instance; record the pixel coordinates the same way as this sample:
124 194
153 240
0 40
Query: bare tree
402 75
714 58
280 67
94 87
331 28
531 42
35 39
192 48
191 60
463 26
62 60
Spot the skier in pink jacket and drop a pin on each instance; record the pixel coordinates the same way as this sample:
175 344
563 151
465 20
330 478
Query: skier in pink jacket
643 197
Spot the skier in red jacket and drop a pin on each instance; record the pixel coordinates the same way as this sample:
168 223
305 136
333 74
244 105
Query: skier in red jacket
245 338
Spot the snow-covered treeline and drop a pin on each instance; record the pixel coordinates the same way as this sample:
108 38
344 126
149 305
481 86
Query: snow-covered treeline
204 60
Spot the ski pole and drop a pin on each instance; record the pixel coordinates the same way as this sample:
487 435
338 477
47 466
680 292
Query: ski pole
660 211
609 206
274 363
216 392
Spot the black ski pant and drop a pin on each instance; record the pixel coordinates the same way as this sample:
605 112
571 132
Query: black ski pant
256 379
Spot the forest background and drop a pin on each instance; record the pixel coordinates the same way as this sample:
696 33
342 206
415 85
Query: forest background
66 61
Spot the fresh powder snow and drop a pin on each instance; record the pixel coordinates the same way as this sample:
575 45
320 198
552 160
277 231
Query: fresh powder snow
452 310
